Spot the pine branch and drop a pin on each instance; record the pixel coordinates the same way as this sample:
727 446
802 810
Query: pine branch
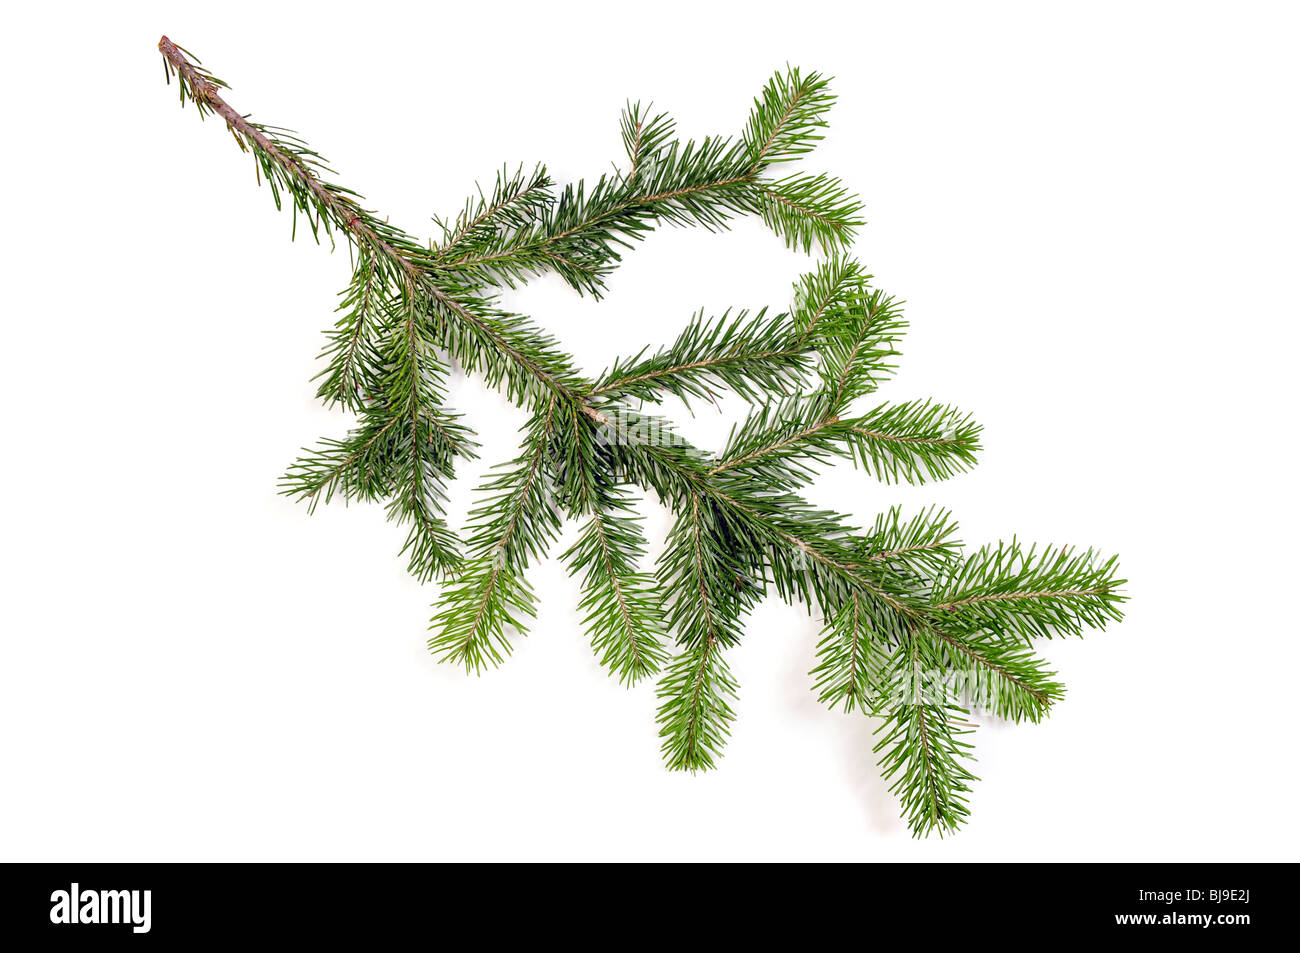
705 183
353 355
752 356
1029 593
913 442
920 548
486 222
810 210
922 751
695 713
788 117
622 609
858 346
510 530
707 585
912 629
507 347
1003 678
644 137
853 657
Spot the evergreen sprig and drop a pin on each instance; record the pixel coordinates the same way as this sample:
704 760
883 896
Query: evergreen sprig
620 602
750 355
915 631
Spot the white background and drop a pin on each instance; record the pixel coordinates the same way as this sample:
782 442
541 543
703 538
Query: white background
1091 209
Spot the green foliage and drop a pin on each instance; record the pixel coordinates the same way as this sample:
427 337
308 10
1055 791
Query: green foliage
915 549
620 602
487 222
752 356
853 661
788 116
915 631
810 211
695 711
913 442
922 748
511 529
1028 593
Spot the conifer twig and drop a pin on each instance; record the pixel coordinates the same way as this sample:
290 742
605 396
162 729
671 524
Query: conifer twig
915 630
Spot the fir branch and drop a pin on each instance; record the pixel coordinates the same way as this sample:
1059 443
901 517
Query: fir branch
783 441
513 355
854 656
747 534
875 616
582 236
787 117
826 292
707 585
622 609
644 136
913 442
810 210
421 471
292 169
911 629
811 554
413 386
750 355
512 350
919 548
353 355
695 713
1004 678
922 750
858 347
485 222
703 183
1029 593
510 530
